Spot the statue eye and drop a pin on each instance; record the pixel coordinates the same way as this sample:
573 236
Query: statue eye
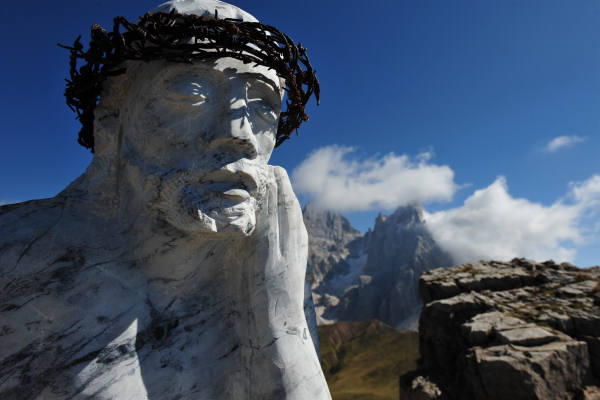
264 111
264 102
189 92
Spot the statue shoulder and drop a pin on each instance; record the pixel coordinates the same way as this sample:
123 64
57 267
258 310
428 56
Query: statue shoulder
14 217
22 223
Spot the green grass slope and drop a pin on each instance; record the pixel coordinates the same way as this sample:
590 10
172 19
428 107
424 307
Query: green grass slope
363 360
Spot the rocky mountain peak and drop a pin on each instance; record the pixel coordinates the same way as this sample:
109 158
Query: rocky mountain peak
410 215
331 239
328 224
402 239
381 218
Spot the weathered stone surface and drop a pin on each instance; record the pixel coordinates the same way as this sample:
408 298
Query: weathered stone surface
439 348
480 329
511 330
553 371
591 393
418 388
526 336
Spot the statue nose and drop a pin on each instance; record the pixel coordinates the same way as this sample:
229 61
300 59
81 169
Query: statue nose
235 134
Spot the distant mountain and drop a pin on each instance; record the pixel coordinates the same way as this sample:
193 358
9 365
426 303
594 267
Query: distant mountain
359 277
332 240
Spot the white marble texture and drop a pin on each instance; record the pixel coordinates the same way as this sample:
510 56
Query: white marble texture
205 8
173 268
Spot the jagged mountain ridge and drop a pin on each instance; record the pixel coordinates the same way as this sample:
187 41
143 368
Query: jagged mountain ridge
333 240
359 277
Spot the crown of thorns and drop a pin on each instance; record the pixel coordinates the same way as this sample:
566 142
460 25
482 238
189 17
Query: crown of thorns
167 36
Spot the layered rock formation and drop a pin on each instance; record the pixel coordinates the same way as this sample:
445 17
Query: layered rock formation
375 276
515 330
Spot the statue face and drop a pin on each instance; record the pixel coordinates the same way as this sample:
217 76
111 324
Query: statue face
200 135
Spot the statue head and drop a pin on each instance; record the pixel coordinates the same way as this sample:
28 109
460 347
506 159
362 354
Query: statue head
201 135
194 138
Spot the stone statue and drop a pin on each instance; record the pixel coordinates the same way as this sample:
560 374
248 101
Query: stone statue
173 267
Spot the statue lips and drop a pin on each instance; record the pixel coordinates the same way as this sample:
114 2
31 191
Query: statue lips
223 195
227 200
233 182
199 199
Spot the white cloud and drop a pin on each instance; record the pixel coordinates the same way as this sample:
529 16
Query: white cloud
587 192
491 224
560 142
494 225
336 182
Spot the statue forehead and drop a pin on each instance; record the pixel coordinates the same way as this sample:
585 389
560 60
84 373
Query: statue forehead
164 70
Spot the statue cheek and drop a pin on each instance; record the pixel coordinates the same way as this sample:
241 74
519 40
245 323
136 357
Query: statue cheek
170 128
266 144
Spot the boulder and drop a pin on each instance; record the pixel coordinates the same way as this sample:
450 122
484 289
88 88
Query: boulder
508 330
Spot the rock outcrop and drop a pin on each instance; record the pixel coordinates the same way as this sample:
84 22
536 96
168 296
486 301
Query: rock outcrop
508 330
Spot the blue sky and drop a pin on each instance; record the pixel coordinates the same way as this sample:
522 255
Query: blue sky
481 87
